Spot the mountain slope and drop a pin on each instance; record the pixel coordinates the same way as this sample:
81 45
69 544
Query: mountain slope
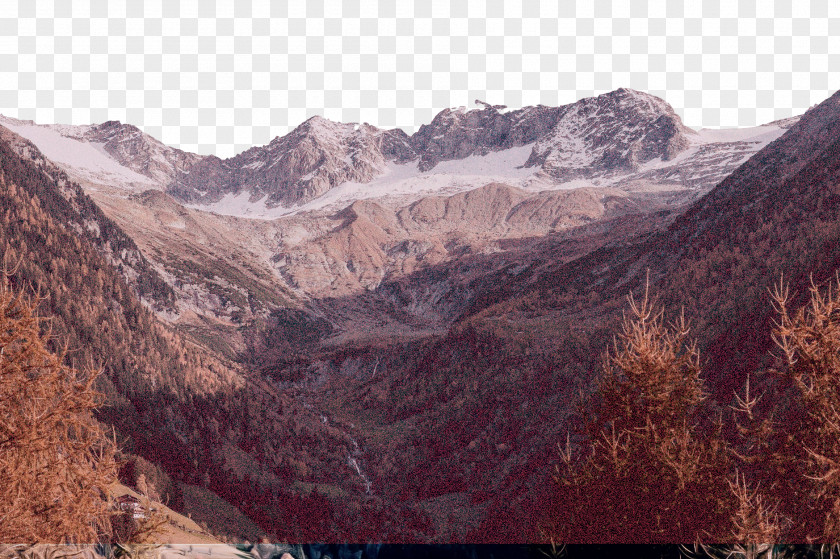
180 406
614 132
114 154
466 421
470 313
622 137
94 310
777 215
140 152
625 137
313 158
439 191
368 243
87 219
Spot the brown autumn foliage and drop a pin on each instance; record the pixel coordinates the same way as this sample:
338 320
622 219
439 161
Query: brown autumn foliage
179 406
56 464
648 471
807 462
754 521
651 471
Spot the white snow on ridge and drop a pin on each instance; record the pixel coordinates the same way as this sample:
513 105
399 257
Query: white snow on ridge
399 181
87 160
759 135
507 163
403 183
764 134
709 149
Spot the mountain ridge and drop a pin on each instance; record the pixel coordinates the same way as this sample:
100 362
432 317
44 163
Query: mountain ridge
640 141
236 260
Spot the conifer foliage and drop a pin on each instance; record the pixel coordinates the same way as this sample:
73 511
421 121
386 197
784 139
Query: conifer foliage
56 464
809 340
648 469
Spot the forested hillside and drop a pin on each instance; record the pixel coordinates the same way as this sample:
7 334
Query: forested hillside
172 402
474 415
434 434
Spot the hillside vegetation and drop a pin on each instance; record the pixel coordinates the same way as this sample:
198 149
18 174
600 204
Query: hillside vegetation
194 414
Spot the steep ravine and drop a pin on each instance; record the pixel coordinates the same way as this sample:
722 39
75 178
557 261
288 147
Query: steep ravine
355 456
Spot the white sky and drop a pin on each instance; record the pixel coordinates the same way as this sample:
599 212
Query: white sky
217 77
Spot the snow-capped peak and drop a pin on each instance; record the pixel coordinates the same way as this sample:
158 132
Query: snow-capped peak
111 153
615 138
613 132
84 160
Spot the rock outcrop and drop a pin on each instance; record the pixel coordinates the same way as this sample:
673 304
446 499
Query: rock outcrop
317 156
140 152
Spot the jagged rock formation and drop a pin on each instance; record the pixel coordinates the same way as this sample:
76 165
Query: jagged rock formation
141 152
361 206
318 155
623 137
612 133
110 153
458 133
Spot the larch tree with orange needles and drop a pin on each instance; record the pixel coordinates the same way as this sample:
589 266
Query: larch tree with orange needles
807 463
56 464
643 471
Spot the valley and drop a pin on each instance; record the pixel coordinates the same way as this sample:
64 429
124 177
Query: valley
390 331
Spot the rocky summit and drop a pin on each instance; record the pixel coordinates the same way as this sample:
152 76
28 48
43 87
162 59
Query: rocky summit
334 209
316 156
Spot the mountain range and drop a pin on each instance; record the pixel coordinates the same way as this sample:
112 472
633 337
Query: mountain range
413 314
363 206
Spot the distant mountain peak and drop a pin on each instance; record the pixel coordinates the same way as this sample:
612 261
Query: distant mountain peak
316 156
613 132
620 136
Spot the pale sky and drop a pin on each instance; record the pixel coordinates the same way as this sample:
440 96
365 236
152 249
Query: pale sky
218 77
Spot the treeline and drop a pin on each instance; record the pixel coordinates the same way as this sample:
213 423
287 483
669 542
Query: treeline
70 206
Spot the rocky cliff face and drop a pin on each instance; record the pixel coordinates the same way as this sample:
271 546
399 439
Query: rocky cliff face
317 156
601 136
609 134
458 133
623 138
141 152
111 155
360 207
616 131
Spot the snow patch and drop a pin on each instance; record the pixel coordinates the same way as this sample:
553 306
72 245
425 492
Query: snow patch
506 163
87 160
762 134
759 135
404 183
398 181
537 185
